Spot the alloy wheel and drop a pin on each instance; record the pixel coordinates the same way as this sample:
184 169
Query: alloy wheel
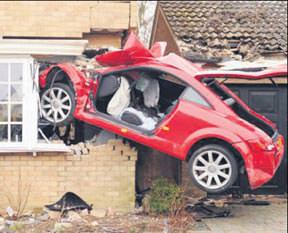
56 104
212 169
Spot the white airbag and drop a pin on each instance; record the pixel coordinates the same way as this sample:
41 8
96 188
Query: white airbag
121 98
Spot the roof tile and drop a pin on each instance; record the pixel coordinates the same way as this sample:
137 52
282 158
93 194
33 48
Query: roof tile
195 23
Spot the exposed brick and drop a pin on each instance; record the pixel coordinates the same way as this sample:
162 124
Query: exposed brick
188 186
102 178
65 19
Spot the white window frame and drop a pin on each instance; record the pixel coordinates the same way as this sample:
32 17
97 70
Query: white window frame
30 101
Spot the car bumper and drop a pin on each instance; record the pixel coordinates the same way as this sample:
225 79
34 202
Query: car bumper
261 165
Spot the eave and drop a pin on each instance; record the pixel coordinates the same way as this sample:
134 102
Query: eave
42 47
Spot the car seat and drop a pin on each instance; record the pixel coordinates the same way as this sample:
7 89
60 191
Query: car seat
107 87
121 98
120 107
138 118
141 114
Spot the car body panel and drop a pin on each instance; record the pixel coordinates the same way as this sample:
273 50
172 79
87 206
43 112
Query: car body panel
189 122
133 52
80 84
158 49
261 165
269 72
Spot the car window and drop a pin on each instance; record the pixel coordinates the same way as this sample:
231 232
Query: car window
192 95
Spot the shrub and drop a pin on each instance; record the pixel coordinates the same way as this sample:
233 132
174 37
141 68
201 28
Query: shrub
165 197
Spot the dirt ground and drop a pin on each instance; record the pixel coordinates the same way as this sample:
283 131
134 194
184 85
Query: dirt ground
244 219
115 224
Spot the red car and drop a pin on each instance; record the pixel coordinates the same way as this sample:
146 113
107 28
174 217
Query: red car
171 105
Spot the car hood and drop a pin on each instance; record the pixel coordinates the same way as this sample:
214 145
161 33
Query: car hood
134 52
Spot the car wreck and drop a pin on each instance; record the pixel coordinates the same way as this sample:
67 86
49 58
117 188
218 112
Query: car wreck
171 105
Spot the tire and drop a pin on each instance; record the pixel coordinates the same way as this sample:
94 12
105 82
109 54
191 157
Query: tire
225 168
58 108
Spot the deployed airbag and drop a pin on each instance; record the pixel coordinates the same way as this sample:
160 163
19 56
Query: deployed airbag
150 89
121 98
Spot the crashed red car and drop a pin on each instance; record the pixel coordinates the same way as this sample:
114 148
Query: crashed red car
171 105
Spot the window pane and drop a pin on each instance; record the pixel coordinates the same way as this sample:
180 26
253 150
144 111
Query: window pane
16 112
16 133
3 72
3 133
16 92
16 72
3 112
191 95
3 92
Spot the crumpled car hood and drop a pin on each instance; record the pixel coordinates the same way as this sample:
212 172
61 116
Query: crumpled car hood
133 52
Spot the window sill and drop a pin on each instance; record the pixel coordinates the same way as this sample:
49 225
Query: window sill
40 147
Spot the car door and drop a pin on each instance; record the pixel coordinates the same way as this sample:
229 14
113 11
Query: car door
188 116
93 116
170 133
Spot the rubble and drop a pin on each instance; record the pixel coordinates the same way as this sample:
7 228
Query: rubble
82 221
2 223
84 63
54 215
94 223
98 213
73 216
61 226
10 211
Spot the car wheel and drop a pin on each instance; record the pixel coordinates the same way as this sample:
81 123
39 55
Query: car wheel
58 104
213 168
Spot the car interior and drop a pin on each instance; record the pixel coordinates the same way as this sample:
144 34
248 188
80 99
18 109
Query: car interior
140 98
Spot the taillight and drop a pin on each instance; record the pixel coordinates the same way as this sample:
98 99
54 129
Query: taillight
261 146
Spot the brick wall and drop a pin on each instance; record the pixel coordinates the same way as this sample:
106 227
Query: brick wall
64 18
104 178
186 182
103 40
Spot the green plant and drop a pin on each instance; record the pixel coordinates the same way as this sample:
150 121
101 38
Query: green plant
165 197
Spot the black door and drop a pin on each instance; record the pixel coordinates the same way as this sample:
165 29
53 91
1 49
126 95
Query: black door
271 102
